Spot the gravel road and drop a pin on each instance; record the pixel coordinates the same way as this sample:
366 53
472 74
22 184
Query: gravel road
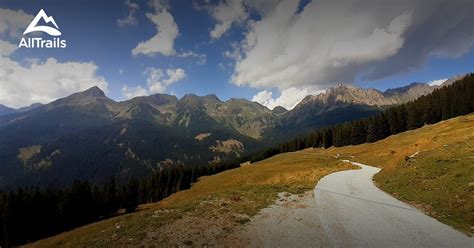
348 210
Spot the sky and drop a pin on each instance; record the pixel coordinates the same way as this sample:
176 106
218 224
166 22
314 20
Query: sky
274 52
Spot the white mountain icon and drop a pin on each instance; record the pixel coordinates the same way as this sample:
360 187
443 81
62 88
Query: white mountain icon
47 19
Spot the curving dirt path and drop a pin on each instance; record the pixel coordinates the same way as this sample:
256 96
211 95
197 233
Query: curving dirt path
348 210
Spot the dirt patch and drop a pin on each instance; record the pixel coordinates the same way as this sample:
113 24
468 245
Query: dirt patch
26 153
212 223
202 136
290 222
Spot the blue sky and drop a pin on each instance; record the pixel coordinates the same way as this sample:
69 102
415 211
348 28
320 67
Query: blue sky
94 36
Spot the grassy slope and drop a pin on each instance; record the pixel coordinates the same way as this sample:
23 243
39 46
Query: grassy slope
437 180
227 199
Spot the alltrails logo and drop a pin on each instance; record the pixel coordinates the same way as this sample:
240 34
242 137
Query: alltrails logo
39 42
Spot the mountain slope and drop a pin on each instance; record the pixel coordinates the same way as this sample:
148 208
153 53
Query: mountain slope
89 136
344 103
409 92
4 110
233 197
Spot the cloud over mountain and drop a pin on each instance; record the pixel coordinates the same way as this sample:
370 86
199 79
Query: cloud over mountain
44 81
288 98
327 42
157 82
33 80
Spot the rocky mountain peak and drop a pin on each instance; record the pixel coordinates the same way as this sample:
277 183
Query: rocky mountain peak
279 110
211 98
92 95
192 100
451 80
161 99
344 94
94 91
409 92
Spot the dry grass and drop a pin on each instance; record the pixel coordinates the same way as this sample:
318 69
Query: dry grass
391 152
437 179
211 210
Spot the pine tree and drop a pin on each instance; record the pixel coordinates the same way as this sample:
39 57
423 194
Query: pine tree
130 195
371 130
327 138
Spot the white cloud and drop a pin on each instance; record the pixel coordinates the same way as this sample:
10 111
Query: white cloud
7 48
154 80
34 80
226 13
131 92
174 76
261 6
437 82
325 42
13 22
263 97
157 82
167 31
201 57
288 98
131 18
159 4
233 53
288 48
44 81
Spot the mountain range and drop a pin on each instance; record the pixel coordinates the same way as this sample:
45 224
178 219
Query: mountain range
4 110
89 136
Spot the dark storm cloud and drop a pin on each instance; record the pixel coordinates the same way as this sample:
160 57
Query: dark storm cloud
439 28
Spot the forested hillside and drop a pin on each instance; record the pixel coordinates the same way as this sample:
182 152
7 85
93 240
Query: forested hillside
32 213
444 103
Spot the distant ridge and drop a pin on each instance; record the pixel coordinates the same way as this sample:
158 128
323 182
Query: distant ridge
5 110
88 135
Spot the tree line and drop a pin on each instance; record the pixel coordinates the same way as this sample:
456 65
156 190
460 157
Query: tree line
28 214
32 213
447 102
